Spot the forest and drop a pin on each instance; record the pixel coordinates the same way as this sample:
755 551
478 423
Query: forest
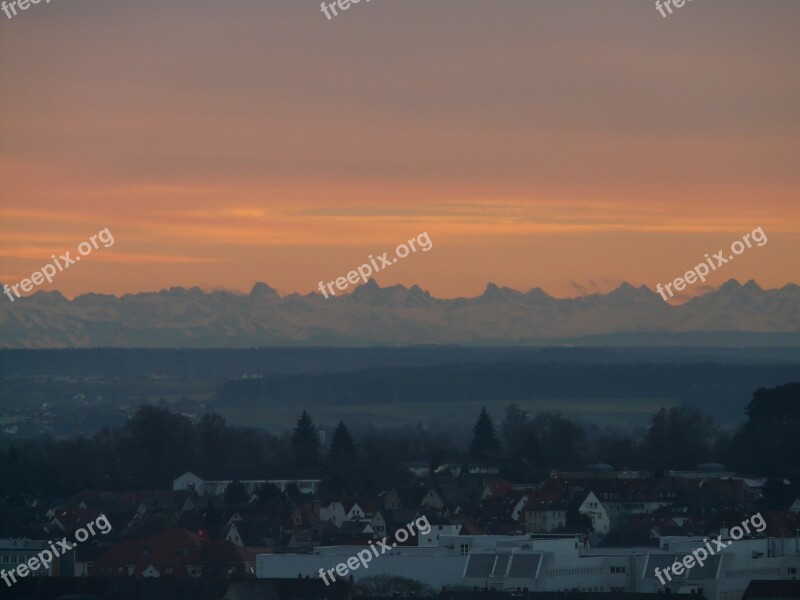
156 445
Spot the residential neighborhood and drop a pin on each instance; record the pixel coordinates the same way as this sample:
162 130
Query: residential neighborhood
610 521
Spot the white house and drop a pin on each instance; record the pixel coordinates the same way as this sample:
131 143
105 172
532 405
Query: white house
349 509
432 499
604 515
378 524
191 482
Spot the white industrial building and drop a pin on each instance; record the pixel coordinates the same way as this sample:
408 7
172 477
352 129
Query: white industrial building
558 563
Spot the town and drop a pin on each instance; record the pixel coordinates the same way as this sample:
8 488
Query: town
502 516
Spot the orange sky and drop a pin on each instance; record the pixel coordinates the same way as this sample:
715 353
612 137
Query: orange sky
566 145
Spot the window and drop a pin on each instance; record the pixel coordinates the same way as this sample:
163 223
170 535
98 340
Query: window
617 569
792 570
464 549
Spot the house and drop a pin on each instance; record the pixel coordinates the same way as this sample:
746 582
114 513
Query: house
516 502
258 534
604 516
546 511
85 557
346 509
413 497
378 524
190 482
433 500
173 553
66 521
16 551
495 488
410 497
357 529
439 528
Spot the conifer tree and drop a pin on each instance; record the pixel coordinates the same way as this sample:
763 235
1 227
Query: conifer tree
484 437
342 453
305 443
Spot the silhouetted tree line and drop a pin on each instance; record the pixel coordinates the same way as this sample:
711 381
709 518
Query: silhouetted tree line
156 445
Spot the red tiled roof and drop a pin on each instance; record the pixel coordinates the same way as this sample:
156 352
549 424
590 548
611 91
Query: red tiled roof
174 549
499 487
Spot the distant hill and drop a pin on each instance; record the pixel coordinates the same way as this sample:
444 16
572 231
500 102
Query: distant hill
735 315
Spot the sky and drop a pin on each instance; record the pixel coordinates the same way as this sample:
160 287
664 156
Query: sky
564 144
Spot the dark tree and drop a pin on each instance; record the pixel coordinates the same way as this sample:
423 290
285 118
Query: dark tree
342 453
560 442
767 442
484 437
305 444
235 494
515 429
158 444
212 519
779 494
618 450
211 440
577 522
266 493
679 438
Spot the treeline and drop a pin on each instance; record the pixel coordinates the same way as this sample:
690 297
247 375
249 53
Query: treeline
714 387
156 445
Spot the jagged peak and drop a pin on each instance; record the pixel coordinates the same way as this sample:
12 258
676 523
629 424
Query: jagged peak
262 290
730 285
752 285
494 291
625 289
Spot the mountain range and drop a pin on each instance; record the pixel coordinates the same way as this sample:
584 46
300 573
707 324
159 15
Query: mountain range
733 315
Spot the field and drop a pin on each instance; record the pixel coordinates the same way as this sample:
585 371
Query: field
627 413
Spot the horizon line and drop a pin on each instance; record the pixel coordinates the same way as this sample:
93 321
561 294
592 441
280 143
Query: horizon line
372 283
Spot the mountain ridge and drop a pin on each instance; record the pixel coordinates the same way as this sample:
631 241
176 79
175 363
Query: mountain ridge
392 315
